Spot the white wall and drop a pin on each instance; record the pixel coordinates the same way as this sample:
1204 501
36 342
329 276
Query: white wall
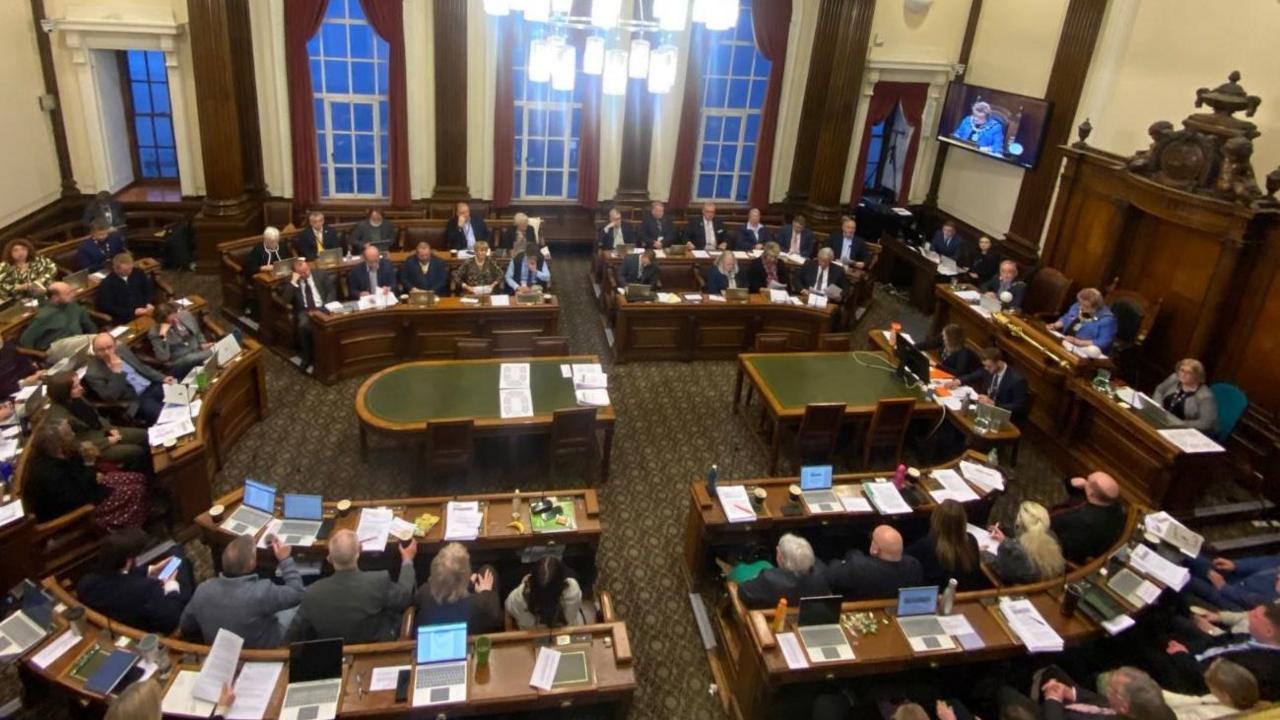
30 179
266 23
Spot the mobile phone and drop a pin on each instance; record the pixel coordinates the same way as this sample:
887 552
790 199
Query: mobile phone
170 568
402 686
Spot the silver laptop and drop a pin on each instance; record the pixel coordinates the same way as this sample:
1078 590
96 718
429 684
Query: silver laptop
302 517
18 634
441 673
282 268
815 489
819 629
918 619
255 511
315 680
990 418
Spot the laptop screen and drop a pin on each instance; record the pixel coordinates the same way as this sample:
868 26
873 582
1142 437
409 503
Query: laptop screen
442 643
315 660
917 601
815 477
819 610
259 496
303 507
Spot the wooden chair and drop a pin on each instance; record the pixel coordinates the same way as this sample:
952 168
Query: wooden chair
514 342
834 342
1135 316
550 346
819 431
472 348
573 435
775 342
277 213
449 446
1047 294
888 428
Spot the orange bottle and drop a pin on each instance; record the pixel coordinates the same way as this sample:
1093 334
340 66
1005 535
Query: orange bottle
780 616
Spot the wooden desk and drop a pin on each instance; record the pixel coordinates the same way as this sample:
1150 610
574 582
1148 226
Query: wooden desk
401 400
711 330
902 264
356 343
675 272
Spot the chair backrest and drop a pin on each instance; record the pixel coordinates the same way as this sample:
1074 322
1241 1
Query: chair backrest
819 429
573 431
1232 402
550 345
888 427
1047 292
834 342
450 442
771 343
1129 319
514 342
278 213
472 348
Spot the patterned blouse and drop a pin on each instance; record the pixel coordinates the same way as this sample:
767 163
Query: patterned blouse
39 269
473 274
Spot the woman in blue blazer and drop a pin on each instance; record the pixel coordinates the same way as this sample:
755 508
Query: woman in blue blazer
1088 321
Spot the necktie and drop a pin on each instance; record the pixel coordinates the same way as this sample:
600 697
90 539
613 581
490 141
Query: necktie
995 385
308 300
319 240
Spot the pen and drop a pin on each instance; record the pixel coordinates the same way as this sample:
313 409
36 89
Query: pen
741 509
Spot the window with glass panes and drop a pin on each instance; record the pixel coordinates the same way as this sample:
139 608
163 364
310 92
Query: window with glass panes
546 129
735 77
154 146
349 80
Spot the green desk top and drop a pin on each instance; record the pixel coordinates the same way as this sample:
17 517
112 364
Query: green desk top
856 379
420 392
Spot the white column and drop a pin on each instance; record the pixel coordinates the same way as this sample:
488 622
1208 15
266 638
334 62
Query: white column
869 80
420 77
482 88
266 22
804 24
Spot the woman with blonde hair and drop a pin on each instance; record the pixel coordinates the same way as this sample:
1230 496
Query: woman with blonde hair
141 701
1033 555
453 594
1185 395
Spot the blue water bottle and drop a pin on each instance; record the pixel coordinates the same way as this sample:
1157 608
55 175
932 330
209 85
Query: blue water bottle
712 475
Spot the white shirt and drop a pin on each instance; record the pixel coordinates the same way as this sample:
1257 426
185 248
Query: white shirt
709 231
315 293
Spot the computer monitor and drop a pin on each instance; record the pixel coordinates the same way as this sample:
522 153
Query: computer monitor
815 477
913 365
315 660
441 643
819 610
259 496
303 507
917 601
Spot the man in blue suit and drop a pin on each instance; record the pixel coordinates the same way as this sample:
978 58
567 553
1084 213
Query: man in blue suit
424 272
997 384
1007 282
796 239
463 231
752 235
101 245
847 246
982 129
946 242
1088 322
376 273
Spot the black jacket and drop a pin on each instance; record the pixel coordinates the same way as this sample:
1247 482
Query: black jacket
651 229
982 266
757 279
630 272
436 278
456 239
304 243
1011 393
481 611
508 240
808 275
696 233
257 257
57 486
293 297
858 251
925 550
119 297
717 282
745 240
1088 530
133 599
604 238
773 584
1017 289
864 577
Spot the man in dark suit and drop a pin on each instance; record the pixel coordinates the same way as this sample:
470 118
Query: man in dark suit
796 239
657 231
115 374
463 231
1090 528
132 595
849 249
797 575
997 384
103 208
102 244
820 275
307 291
265 254
125 293
615 232
1007 282
766 269
640 268
359 606
880 574
374 275
425 272
752 235
706 233
1130 694
518 233
946 242
316 236
1258 651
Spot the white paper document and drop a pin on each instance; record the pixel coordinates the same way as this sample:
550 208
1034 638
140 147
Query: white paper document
402 529
969 296
179 700
174 413
515 403
1164 526
737 506
692 297
254 689
119 330
986 543
580 368
176 394
779 296
592 398
1029 626
500 300
852 499
1117 624
1150 562
566 370
55 649
226 349
590 380
219 667
886 498
160 434
817 300
702 254
988 479
374 527
715 298
384 678
1190 440
953 487
544 669
462 520
11 512
791 651
513 376
8 448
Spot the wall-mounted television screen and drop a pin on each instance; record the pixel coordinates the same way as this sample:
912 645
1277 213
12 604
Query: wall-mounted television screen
997 124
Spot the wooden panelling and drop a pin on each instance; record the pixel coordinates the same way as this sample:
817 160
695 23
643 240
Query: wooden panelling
451 98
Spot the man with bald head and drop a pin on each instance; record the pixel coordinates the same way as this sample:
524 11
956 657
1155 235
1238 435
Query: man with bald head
255 608
115 374
59 318
878 573
1092 527
359 606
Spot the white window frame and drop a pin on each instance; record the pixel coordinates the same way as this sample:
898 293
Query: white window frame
526 107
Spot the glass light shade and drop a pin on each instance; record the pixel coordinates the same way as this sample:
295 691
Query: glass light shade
563 7
498 8
703 10
614 81
662 69
539 61
724 15
537 10
516 5
593 56
639 67
672 14
565 72
604 13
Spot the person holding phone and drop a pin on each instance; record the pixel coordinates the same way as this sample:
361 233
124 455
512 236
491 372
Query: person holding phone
150 597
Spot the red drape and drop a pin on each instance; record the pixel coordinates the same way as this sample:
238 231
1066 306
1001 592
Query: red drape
510 41
387 19
589 141
302 19
690 114
885 97
771 24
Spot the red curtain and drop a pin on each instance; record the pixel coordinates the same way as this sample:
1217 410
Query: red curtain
387 19
589 140
510 41
885 97
302 19
690 114
771 24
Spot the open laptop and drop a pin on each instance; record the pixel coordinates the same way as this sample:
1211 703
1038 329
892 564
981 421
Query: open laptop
639 291
255 512
441 659
329 256
815 488
22 630
302 517
282 268
990 418
315 680
819 629
918 619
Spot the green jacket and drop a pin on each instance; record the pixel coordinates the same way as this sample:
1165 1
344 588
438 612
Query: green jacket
54 322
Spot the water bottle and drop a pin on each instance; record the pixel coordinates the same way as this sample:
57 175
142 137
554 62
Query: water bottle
712 475
900 476
949 596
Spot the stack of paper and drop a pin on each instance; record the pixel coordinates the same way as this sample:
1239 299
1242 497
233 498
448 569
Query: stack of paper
1149 562
500 300
164 432
462 520
969 296
374 527
590 387
11 512
988 479
1164 526
736 504
693 297
219 666
958 627
779 296
886 498
254 690
180 701
590 380
8 448
953 487
701 254
851 498
514 398
668 298
544 668
1029 626
986 543
1190 440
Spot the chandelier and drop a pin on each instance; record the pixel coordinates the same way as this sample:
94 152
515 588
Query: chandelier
619 49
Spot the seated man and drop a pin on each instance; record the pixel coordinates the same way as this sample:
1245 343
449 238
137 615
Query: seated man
356 605
767 270
1092 527
1257 651
115 374
102 244
946 242
821 276
1088 322
615 232
59 318
519 233
177 340
639 269
753 235
880 574
1130 693
255 608
126 292
376 275
103 208
1237 584
307 291
1006 281
425 272
797 575
132 595
315 238
706 233
656 230
373 230
796 239
997 384
262 257
527 270
848 247
463 231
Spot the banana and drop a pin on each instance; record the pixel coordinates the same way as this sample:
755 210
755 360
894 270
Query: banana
517 524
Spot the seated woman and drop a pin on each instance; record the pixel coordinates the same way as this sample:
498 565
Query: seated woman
983 264
124 446
454 594
548 597
724 275
177 341
1185 395
1088 323
949 551
480 275
64 476
23 273
1033 555
954 355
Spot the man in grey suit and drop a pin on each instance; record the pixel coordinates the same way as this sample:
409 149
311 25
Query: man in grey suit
356 605
115 374
254 608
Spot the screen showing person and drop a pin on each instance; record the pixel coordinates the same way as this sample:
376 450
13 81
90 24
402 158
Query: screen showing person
998 124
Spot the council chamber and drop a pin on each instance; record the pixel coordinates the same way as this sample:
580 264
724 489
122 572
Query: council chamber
647 359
